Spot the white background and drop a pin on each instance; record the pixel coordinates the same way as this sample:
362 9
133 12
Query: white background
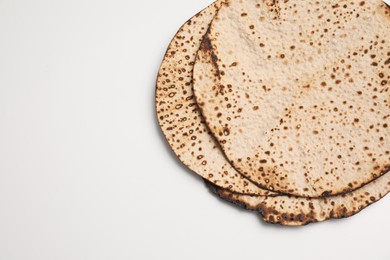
85 172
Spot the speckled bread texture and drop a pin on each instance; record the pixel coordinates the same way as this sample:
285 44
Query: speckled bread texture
282 209
179 116
297 92
294 211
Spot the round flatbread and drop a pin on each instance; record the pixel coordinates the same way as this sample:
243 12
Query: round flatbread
294 211
281 209
179 116
297 92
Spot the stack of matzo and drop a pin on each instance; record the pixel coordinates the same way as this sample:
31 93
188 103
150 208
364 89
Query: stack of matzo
283 107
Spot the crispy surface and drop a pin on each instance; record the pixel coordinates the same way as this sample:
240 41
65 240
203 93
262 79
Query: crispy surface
299 106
